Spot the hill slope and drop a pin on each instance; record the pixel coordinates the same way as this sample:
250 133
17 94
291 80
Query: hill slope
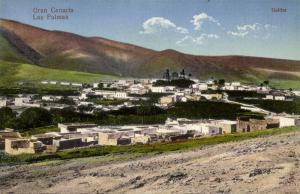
62 50
11 73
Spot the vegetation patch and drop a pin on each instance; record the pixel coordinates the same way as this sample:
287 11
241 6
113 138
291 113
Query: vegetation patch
181 83
291 107
107 102
205 109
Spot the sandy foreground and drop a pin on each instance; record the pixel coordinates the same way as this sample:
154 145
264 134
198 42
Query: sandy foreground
261 165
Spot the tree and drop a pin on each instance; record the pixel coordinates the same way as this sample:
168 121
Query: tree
266 82
6 117
182 74
174 75
167 74
83 108
67 114
35 117
100 85
221 82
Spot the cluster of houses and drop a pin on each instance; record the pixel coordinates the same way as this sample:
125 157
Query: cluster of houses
76 135
133 90
62 83
73 135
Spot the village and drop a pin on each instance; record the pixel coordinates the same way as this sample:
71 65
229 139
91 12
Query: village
76 135
132 90
119 94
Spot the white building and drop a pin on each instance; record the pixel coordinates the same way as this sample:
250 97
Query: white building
95 85
44 82
105 93
289 121
210 130
158 89
269 97
297 93
53 82
236 84
25 102
228 87
279 98
83 96
275 97
203 86
20 101
3 102
51 98
65 83
76 84
120 95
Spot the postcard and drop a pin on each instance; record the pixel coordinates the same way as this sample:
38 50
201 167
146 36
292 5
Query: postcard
149 96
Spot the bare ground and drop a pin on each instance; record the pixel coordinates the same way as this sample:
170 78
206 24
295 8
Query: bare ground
261 165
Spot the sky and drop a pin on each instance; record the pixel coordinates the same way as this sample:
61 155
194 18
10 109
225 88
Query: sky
200 27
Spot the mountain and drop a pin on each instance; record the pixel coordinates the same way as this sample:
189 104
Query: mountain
68 51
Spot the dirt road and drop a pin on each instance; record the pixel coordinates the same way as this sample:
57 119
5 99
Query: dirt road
262 165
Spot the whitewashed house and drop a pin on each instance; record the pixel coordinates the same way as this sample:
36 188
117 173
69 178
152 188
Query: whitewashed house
95 85
64 83
280 98
51 98
76 84
158 89
203 86
25 102
44 82
120 95
289 121
3 102
52 82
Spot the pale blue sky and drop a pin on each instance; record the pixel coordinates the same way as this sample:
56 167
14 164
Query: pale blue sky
217 27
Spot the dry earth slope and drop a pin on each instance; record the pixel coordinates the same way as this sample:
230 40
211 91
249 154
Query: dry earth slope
261 165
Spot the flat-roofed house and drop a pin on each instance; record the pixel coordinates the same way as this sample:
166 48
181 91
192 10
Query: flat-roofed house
3 103
288 121
5 134
226 126
140 139
72 127
67 143
47 138
247 124
18 146
120 95
158 89
166 100
210 130
113 138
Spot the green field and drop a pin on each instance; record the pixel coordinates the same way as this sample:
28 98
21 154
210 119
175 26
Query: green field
285 84
11 73
116 153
